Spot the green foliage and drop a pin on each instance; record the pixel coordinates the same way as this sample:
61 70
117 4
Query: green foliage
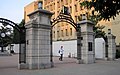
95 18
18 37
22 23
98 31
5 41
86 4
12 35
106 8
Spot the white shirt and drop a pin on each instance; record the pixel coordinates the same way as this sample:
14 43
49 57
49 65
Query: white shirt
61 51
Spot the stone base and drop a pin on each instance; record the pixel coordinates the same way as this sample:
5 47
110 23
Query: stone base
40 66
88 58
88 62
111 59
22 66
35 66
5 54
52 64
85 62
79 61
106 59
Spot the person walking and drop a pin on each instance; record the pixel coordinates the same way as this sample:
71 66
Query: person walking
61 53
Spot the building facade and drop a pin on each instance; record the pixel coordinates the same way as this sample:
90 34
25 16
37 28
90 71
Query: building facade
30 8
64 31
114 25
115 28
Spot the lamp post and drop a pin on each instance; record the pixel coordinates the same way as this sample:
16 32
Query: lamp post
2 35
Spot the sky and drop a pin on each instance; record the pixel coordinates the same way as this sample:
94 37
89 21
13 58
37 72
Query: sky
13 9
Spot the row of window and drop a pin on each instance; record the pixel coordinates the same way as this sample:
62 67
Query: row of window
50 7
60 4
62 1
63 33
48 1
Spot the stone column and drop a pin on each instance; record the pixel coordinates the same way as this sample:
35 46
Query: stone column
88 47
111 46
79 44
38 44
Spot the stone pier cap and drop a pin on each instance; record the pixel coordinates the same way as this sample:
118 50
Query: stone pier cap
42 11
85 21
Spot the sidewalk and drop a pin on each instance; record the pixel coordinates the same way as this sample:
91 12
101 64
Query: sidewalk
8 66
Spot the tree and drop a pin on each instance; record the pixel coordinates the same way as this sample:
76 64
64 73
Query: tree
102 9
98 31
106 9
5 41
17 35
95 18
22 23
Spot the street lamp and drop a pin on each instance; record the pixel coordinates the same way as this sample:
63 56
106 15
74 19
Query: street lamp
2 35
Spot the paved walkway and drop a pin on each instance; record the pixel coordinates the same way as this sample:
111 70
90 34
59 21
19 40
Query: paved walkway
8 66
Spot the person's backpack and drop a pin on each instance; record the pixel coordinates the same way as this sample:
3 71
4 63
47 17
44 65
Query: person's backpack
59 51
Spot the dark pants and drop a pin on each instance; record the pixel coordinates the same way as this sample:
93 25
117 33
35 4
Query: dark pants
61 57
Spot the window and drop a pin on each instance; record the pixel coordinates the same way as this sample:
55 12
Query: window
54 6
58 35
75 18
58 12
58 27
62 3
71 31
70 1
58 4
62 33
70 9
66 1
54 34
25 15
45 2
50 7
89 46
76 8
66 32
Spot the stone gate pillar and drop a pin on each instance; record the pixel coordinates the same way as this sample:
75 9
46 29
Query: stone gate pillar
38 45
87 41
111 46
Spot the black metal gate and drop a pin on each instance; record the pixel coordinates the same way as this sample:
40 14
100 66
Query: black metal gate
65 16
21 31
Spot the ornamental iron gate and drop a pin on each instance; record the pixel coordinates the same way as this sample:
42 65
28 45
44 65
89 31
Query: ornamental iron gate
21 30
65 16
